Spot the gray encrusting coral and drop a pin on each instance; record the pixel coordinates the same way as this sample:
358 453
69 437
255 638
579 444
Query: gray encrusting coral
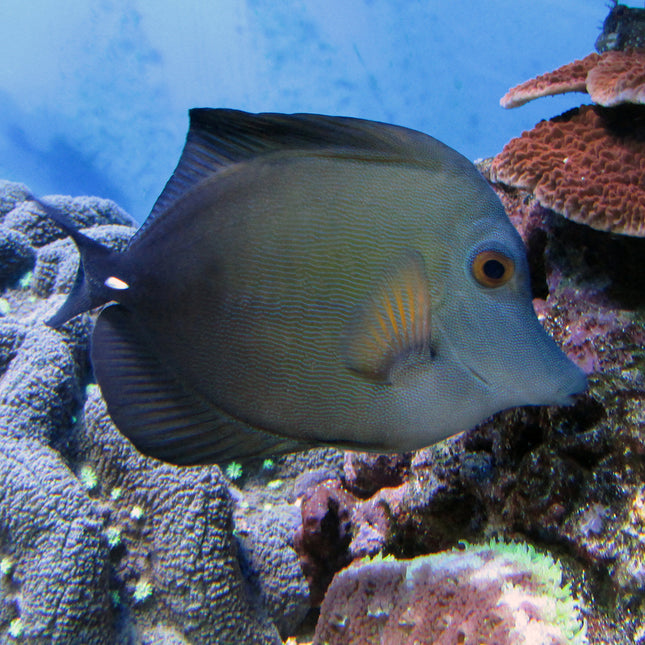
99 544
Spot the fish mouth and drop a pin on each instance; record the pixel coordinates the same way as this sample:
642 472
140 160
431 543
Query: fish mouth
545 375
562 386
559 388
571 391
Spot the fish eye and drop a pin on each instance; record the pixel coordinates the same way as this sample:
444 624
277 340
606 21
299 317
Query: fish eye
492 268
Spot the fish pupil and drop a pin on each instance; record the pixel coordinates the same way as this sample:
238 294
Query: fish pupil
493 269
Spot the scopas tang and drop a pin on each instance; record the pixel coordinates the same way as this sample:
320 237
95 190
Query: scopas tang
307 280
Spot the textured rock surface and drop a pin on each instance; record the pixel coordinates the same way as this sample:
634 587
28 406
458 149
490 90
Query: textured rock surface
98 544
501 594
323 539
623 27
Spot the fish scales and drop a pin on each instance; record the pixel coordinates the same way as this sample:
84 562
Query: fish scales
307 280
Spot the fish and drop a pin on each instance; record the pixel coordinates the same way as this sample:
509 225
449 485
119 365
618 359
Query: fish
307 280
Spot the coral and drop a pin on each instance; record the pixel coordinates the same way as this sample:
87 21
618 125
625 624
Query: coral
234 470
267 519
97 542
142 590
6 566
84 212
588 165
88 478
493 593
571 77
114 537
11 194
16 628
270 564
17 256
176 561
58 588
136 512
619 77
365 473
611 78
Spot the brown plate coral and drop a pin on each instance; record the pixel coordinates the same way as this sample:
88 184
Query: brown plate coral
587 164
611 78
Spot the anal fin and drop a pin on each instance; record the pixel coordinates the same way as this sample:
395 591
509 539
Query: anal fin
159 414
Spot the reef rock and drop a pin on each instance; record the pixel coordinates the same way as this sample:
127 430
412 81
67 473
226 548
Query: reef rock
624 27
495 593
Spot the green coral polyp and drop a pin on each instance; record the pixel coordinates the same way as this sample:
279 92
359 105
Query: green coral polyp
142 590
6 566
91 388
25 281
113 534
16 628
234 470
88 478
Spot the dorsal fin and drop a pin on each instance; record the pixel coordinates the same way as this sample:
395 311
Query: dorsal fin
220 137
392 326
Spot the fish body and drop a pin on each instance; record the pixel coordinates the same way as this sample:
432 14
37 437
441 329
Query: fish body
307 280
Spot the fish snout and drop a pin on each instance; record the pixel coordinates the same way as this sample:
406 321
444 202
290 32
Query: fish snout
560 382
572 382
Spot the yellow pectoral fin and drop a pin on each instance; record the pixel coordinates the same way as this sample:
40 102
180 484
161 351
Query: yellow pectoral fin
393 322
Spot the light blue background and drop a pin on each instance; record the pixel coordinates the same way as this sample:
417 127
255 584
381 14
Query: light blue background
94 95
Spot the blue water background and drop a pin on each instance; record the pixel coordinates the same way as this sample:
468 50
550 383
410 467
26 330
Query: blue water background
94 95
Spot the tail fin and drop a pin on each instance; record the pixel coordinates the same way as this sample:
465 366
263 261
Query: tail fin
89 290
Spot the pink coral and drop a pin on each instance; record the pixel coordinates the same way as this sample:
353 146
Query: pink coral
618 78
611 78
568 78
502 594
588 165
